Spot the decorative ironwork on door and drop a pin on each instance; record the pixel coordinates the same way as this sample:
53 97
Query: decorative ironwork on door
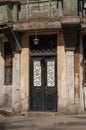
50 73
37 73
47 44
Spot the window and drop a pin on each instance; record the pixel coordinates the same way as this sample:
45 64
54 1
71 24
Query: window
82 7
8 64
84 4
47 44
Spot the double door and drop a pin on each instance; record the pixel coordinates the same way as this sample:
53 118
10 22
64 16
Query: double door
43 91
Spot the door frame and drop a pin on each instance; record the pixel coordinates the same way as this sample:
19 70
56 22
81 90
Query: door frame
51 54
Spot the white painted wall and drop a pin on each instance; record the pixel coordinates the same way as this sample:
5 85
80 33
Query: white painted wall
70 76
25 101
1 76
16 87
82 92
61 74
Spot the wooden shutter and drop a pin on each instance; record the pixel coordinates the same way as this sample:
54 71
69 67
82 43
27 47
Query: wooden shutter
8 64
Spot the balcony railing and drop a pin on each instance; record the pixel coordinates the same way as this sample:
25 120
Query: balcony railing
82 8
41 9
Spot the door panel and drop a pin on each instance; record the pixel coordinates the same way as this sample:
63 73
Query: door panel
36 85
50 84
43 84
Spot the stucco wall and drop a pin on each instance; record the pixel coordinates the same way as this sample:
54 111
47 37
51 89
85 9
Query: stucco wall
10 94
61 72
25 73
16 86
1 75
70 7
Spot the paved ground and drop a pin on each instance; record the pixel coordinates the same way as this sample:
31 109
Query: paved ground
48 121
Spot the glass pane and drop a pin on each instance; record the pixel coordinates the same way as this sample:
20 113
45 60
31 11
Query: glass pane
50 73
37 73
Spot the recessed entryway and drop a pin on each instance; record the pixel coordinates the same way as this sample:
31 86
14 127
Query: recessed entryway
43 73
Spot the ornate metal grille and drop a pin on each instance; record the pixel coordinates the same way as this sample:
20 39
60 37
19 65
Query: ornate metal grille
47 44
50 73
37 73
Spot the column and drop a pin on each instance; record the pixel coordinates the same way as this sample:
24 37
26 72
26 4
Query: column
61 72
16 87
25 73
70 76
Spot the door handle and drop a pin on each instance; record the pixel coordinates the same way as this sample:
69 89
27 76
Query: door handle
42 61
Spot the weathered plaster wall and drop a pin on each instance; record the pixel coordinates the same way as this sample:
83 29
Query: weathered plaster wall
6 90
43 9
10 98
82 92
70 76
16 87
70 89
77 78
70 7
7 104
81 99
70 82
1 76
25 73
61 72
8 13
3 13
15 13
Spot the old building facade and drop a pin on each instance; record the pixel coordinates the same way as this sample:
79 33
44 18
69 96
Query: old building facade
43 55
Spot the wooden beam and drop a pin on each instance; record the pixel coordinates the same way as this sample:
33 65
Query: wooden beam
32 25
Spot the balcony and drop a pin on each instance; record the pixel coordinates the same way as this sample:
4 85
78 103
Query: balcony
8 11
41 9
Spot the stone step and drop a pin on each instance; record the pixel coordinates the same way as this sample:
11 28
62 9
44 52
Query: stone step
38 114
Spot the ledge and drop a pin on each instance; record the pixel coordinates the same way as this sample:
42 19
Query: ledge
26 26
9 1
70 20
